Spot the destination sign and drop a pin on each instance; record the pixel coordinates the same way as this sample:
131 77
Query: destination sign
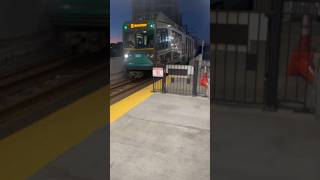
138 25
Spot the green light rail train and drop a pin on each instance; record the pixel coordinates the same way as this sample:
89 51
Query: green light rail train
155 40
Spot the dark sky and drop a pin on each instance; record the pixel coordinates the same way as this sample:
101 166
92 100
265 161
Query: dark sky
195 13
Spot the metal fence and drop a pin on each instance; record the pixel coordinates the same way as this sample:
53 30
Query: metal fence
184 80
252 50
239 41
295 91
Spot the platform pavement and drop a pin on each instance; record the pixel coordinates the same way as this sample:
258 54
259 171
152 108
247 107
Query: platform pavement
251 144
86 161
165 137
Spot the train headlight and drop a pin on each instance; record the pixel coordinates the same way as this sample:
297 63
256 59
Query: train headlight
126 56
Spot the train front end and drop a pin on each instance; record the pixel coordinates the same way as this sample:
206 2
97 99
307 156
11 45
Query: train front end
139 51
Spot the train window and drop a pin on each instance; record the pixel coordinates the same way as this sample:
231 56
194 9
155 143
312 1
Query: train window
138 39
144 39
180 37
162 38
176 55
168 57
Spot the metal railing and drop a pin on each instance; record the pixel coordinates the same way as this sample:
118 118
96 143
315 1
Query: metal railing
190 80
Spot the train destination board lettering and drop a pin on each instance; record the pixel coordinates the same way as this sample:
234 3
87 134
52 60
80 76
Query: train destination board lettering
138 25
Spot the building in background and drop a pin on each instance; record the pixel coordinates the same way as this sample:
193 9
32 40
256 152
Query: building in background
143 8
116 49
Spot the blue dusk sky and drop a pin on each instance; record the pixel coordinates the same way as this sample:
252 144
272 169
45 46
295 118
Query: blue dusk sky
195 13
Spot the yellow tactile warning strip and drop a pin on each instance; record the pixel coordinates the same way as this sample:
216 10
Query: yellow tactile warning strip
120 108
25 152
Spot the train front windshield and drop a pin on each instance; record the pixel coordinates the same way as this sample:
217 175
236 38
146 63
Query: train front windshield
138 39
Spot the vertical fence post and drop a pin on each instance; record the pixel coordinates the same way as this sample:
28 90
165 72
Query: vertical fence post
195 77
164 78
313 94
317 85
274 39
153 84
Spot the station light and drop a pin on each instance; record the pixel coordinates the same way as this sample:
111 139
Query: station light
126 56
125 27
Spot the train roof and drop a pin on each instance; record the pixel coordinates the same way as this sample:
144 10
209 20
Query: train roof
161 18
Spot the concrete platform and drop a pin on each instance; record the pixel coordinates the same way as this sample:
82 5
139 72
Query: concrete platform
166 137
50 144
251 144
85 161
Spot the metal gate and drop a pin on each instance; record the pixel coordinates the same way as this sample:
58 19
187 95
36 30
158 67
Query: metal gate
251 51
239 41
298 16
184 79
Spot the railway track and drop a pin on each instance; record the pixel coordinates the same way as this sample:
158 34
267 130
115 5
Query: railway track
21 73
127 87
21 91
27 96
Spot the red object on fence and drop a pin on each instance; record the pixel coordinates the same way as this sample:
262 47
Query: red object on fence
301 65
204 80
301 62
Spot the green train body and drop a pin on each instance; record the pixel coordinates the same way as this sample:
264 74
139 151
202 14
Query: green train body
153 41
139 61
139 56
